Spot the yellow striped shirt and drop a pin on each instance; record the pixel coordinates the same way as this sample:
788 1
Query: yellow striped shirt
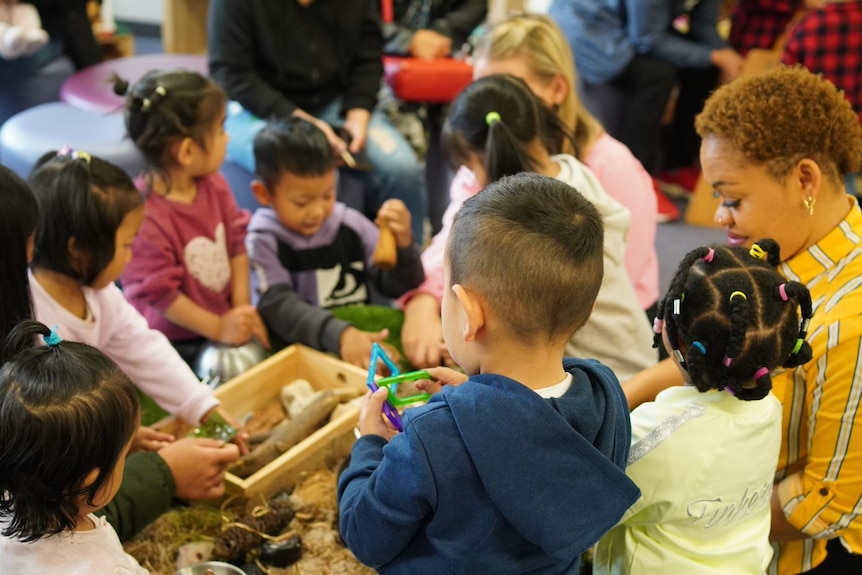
820 463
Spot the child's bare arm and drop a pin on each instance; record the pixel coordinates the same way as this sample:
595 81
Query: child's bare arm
239 280
234 327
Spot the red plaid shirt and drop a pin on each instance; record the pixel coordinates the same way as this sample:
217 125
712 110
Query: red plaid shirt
828 41
759 23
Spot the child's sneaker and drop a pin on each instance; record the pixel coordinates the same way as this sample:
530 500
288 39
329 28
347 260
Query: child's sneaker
666 210
685 178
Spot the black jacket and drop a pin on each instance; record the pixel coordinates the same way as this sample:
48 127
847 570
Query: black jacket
273 56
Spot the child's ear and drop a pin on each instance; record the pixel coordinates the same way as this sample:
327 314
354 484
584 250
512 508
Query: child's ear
474 312
77 256
182 151
90 478
261 192
559 89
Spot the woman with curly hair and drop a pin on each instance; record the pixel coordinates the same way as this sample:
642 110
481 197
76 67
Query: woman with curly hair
775 149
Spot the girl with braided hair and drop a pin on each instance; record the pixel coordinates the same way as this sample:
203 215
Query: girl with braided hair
728 321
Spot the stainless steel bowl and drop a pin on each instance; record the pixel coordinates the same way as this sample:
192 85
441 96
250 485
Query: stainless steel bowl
227 361
218 568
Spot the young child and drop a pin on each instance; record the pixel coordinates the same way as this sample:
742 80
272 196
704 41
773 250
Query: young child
69 419
519 468
704 455
497 127
90 215
189 272
310 253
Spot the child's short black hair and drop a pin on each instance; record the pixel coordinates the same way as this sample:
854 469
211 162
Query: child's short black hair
531 246
293 145
498 116
736 318
19 215
165 106
65 409
80 197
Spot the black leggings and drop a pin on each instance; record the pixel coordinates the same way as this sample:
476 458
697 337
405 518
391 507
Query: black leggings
838 561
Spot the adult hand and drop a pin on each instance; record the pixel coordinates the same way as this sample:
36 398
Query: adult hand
148 439
371 421
430 44
442 376
355 345
422 332
729 63
198 466
396 216
338 145
356 124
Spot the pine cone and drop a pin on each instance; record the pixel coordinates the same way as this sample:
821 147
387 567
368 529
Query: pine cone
234 542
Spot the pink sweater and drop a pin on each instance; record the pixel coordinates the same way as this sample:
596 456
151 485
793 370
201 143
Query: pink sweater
625 179
620 174
186 249
144 354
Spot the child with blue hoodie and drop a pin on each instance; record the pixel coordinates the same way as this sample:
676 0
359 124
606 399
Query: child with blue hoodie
517 467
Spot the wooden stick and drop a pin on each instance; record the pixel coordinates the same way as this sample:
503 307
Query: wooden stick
286 434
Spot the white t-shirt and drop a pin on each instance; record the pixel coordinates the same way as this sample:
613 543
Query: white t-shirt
705 464
94 552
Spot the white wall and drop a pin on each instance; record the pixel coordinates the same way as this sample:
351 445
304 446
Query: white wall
143 11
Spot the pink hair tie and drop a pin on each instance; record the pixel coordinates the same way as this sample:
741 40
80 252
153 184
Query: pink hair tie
727 361
760 373
657 325
708 257
782 292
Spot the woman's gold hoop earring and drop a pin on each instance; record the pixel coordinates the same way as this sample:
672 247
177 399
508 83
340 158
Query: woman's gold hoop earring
809 205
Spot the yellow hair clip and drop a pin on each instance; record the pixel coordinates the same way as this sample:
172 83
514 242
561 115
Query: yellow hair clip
738 294
757 252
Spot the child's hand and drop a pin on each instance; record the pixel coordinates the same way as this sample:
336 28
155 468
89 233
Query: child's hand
148 439
198 466
355 345
442 376
422 332
236 326
395 214
371 420
241 439
258 330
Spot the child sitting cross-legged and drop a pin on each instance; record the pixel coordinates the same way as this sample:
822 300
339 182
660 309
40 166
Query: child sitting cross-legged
310 253
69 416
704 455
518 466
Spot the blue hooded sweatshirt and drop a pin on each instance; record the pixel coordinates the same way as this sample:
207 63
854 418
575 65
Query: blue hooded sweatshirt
489 477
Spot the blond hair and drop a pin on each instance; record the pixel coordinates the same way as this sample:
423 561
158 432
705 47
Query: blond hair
541 43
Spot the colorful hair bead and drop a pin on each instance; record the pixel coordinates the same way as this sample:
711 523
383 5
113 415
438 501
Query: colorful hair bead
737 294
657 325
760 373
783 292
709 255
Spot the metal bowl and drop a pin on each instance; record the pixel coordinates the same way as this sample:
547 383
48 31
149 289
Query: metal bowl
227 361
218 568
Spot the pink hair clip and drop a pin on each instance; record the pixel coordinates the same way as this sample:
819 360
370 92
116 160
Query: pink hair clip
760 373
709 255
783 292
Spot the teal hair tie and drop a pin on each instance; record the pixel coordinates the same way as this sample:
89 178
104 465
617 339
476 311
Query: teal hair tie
52 339
492 117
699 346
